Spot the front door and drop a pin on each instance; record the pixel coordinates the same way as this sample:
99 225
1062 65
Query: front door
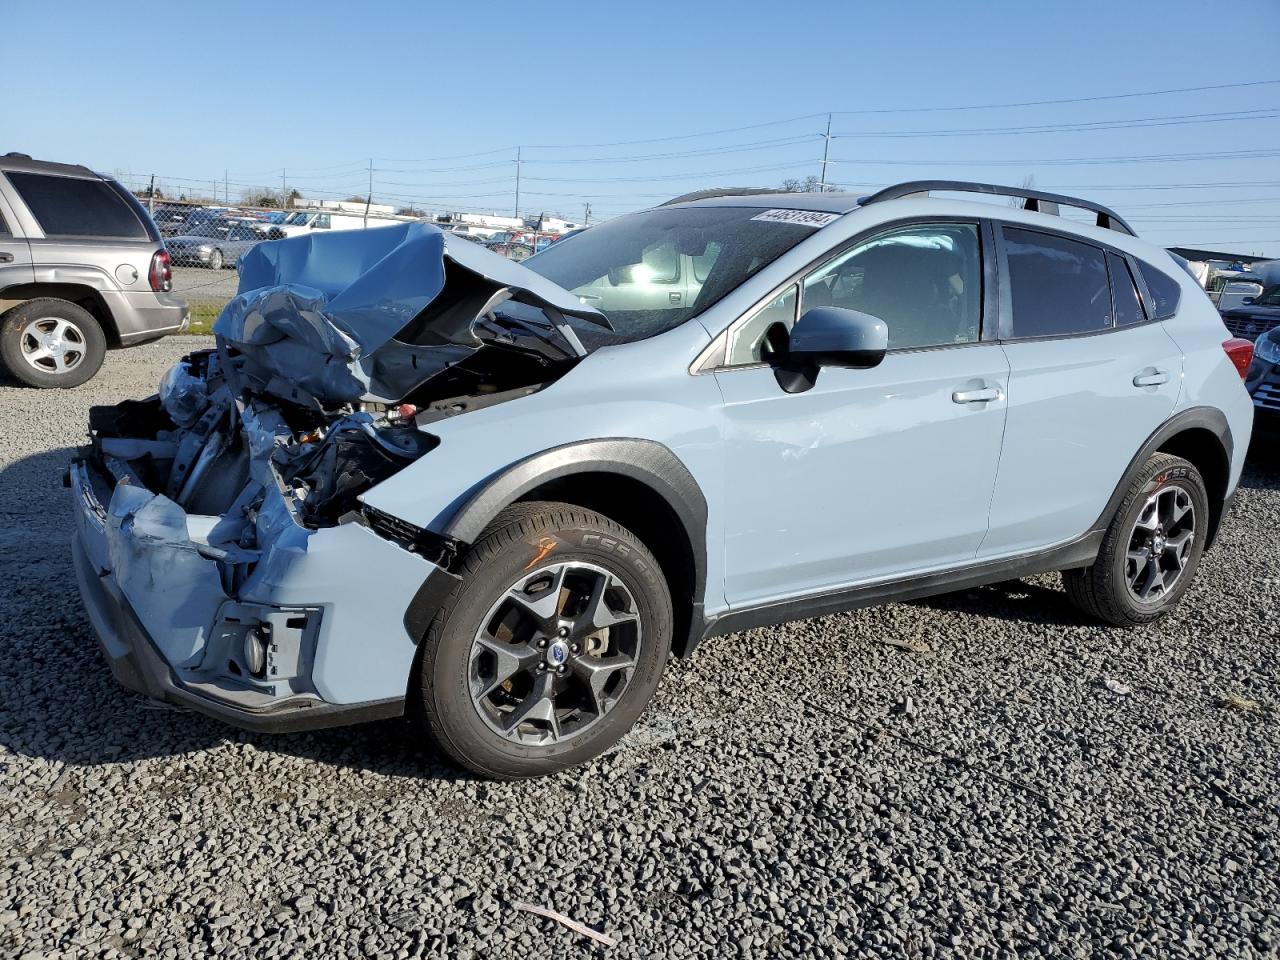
870 474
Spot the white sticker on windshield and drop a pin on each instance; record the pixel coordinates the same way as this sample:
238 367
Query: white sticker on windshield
805 218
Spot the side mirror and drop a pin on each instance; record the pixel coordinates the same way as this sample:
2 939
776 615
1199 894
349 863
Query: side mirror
827 337
1247 301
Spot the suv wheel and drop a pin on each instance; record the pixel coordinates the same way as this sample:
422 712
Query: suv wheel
1152 548
51 343
550 648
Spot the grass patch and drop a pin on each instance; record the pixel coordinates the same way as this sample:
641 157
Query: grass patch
1239 703
203 313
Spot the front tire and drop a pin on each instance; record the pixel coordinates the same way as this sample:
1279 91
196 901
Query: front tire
51 343
1152 548
551 646
215 260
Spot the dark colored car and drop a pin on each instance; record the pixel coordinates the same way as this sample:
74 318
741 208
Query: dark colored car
170 217
1255 315
215 245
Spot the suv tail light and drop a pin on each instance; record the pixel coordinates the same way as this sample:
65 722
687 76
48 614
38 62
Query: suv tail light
1240 352
161 273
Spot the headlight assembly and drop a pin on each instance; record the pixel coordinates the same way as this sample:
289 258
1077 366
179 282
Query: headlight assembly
1267 347
182 394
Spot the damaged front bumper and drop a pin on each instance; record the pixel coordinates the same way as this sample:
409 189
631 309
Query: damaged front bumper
318 635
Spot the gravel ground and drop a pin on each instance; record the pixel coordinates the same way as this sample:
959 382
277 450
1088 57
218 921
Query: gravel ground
943 778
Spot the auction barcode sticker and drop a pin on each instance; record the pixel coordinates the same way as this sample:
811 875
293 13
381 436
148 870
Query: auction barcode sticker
805 218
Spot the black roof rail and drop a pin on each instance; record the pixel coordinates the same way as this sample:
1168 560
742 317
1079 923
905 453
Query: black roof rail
1037 200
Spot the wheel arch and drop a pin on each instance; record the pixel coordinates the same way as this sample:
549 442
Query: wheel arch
640 484
82 295
1200 435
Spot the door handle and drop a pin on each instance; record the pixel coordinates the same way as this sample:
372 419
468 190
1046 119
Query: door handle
981 395
1153 379
6 258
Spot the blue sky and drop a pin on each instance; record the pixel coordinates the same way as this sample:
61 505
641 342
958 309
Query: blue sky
440 95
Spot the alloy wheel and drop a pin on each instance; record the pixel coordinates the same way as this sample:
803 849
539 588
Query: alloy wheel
1160 543
52 345
555 653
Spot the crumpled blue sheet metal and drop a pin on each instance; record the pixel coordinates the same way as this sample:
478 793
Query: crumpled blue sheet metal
312 311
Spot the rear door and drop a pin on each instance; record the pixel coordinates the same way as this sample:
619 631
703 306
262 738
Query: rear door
15 254
1090 378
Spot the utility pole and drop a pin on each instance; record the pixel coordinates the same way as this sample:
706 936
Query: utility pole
284 190
517 211
369 202
826 146
151 196
226 187
586 213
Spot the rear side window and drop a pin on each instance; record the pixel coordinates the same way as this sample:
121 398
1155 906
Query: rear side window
69 207
1128 306
1059 286
1164 290
4 227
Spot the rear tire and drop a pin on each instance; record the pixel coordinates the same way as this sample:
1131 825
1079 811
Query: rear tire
215 260
51 343
515 676
1151 550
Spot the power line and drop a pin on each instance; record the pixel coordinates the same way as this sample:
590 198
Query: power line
1136 123
360 163
1046 103
703 152
1258 154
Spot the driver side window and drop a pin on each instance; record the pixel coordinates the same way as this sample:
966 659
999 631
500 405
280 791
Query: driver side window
924 281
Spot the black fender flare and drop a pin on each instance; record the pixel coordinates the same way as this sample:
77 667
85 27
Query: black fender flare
644 461
1193 418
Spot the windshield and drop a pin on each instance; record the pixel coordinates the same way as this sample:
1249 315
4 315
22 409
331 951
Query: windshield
1270 297
299 219
650 272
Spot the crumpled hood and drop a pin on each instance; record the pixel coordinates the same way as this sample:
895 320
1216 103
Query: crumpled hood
370 314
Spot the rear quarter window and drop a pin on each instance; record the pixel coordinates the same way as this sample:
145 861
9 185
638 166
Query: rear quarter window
71 207
1164 290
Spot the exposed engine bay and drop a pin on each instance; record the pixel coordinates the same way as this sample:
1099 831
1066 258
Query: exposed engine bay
337 352
215 447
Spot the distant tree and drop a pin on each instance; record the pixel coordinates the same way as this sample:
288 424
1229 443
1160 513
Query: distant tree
412 211
809 184
1028 182
357 199
260 198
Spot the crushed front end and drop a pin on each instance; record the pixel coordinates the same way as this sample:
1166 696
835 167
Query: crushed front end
225 558
227 565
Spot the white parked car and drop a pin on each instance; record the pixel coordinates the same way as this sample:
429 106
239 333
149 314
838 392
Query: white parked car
304 221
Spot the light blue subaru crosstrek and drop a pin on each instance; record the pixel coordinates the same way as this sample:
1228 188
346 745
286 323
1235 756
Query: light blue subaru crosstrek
416 478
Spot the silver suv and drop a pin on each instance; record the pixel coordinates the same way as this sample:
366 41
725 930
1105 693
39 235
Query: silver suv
82 267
